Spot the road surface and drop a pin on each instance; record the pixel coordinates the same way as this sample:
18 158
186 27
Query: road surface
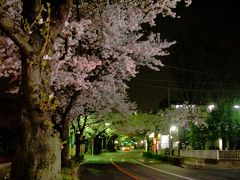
131 165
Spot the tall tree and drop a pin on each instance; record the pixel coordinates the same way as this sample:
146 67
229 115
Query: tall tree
224 123
61 56
185 116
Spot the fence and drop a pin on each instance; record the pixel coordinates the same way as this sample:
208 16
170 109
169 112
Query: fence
230 154
205 154
211 154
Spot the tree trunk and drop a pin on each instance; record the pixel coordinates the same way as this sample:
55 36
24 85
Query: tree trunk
65 147
38 150
79 137
38 155
78 143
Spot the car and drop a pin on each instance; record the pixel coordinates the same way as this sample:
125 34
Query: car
127 148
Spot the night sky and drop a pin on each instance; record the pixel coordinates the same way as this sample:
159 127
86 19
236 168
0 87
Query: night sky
204 62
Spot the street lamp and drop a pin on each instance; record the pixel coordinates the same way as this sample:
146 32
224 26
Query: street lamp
172 128
211 107
236 106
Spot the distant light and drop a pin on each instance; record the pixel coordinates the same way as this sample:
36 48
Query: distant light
151 135
173 128
220 142
164 141
236 106
116 142
211 107
178 106
107 124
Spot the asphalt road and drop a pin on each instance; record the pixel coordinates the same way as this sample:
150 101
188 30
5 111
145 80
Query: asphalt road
131 165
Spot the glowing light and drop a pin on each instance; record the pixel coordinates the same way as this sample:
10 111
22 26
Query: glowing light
211 107
236 106
151 135
173 128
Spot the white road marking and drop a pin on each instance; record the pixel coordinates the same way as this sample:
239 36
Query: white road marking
183 177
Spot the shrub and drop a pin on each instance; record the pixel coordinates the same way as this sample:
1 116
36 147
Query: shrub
177 161
69 173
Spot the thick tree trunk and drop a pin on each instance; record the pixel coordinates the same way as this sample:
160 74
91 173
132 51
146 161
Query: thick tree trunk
38 155
38 150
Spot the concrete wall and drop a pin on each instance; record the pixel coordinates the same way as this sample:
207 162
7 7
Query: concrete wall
205 154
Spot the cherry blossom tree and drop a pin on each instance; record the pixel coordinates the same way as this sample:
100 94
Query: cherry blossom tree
62 56
185 116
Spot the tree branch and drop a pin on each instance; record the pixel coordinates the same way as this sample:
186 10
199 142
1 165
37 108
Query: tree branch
59 13
12 30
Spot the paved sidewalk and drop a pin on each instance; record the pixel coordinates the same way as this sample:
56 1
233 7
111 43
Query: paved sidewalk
201 163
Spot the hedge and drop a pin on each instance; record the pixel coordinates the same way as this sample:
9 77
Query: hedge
175 160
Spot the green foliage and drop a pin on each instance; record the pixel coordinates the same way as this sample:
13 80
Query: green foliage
26 25
47 123
44 63
43 32
197 136
141 123
38 20
223 122
77 159
47 102
69 173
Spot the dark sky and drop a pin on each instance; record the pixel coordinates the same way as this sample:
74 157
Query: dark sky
205 61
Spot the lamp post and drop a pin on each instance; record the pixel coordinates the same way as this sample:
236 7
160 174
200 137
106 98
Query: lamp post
172 128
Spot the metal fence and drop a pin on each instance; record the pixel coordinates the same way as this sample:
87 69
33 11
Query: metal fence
211 154
230 154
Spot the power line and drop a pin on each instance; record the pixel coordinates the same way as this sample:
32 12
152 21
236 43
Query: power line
190 70
193 82
180 89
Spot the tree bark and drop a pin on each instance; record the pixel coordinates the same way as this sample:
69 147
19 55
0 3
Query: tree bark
38 154
38 150
65 146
